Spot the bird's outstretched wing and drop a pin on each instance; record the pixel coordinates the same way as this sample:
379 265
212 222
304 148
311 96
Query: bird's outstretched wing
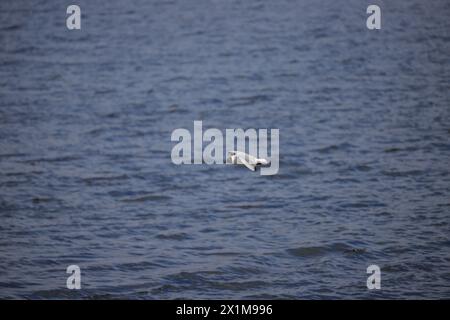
244 161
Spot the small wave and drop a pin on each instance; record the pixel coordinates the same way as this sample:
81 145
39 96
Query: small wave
26 50
11 155
307 251
335 147
223 253
42 200
173 236
363 204
12 27
362 168
395 149
408 173
248 206
103 179
150 197
239 285
174 108
137 266
250 100
55 159
105 91
177 78
323 250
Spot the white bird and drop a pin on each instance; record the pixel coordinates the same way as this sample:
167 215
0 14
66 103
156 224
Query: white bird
238 157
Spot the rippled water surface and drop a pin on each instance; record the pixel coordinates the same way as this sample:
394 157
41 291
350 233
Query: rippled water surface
86 176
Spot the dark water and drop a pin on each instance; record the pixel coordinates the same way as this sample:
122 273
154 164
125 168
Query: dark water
86 176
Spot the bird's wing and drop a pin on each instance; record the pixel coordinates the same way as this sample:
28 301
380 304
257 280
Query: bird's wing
246 163
250 159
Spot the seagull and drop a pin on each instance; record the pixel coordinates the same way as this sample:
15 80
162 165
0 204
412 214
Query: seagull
238 157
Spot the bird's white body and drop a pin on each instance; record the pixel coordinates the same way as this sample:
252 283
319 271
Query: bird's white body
238 157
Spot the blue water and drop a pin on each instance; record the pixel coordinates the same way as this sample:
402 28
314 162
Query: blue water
86 176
